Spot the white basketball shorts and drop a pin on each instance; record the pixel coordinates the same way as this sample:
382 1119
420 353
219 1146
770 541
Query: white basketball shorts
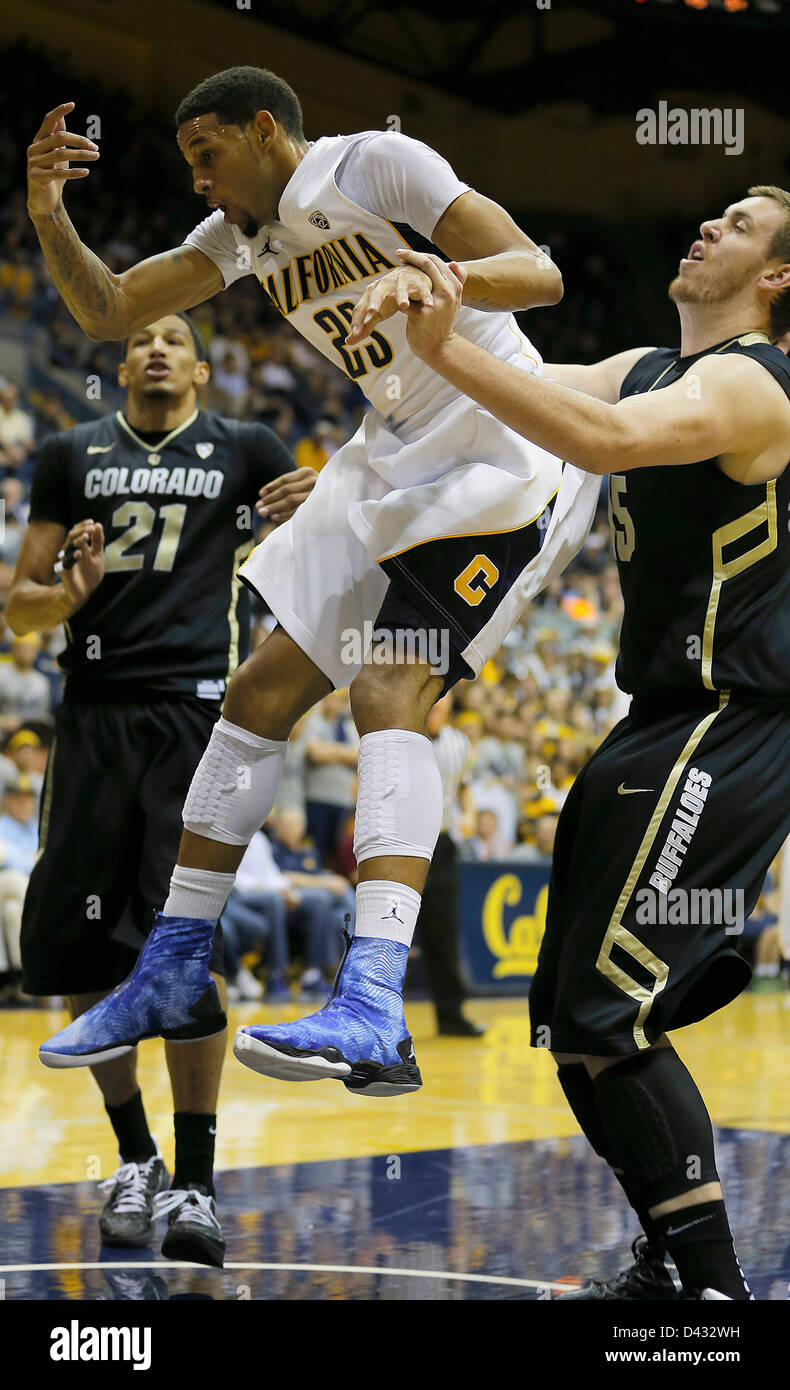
465 523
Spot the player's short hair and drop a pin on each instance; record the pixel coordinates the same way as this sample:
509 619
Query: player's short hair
235 95
200 351
780 247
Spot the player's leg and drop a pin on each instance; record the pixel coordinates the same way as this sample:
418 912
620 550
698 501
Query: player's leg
127 1218
73 938
438 613
627 967
360 1037
647 1278
195 1069
170 991
660 1134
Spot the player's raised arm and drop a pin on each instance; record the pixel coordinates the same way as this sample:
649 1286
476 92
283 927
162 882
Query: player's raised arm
104 304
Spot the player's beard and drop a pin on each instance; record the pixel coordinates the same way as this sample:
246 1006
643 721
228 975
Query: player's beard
250 227
711 287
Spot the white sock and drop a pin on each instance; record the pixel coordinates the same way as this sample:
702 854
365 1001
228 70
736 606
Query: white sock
386 909
197 893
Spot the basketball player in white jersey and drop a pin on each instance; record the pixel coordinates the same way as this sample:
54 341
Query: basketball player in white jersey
433 518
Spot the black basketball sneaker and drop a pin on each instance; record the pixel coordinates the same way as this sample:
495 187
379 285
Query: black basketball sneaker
646 1279
193 1231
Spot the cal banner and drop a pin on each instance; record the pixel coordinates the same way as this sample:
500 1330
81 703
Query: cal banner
503 915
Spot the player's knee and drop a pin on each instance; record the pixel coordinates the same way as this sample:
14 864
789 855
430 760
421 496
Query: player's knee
385 697
258 701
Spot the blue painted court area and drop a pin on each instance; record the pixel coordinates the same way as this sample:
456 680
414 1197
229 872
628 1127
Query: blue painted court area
504 1221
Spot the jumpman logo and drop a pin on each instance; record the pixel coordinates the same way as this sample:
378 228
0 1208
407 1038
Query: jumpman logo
392 913
268 249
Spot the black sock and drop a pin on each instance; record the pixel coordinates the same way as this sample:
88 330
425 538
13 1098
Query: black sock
700 1242
195 1136
135 1144
579 1089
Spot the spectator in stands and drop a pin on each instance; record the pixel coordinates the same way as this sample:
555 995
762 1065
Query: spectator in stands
329 894
12 495
20 761
489 793
18 848
24 692
231 386
539 851
759 940
256 915
260 909
331 745
53 415
487 843
291 792
53 642
315 449
16 429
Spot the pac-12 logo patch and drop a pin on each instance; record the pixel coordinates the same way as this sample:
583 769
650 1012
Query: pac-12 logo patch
204 450
318 220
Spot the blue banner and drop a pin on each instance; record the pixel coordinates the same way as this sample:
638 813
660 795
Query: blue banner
503 916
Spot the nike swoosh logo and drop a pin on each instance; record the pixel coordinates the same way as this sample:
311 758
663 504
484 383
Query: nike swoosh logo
688 1225
623 790
212 1130
100 448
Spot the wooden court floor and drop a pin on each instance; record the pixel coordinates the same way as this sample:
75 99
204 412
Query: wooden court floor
477 1186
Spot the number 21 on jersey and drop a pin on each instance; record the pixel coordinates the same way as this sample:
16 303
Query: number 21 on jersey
140 518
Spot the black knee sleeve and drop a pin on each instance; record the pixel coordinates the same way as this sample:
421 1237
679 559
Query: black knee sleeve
657 1126
580 1094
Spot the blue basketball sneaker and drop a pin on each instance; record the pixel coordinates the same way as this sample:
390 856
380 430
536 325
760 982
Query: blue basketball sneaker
170 993
359 1037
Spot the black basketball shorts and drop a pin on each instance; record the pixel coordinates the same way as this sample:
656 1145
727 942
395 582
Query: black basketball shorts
110 826
661 851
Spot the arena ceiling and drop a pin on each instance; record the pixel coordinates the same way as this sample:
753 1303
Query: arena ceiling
510 55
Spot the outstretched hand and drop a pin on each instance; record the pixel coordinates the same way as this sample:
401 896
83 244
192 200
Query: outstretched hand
49 159
430 325
391 292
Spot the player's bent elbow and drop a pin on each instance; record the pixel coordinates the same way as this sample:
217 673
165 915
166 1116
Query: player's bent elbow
14 616
555 289
106 330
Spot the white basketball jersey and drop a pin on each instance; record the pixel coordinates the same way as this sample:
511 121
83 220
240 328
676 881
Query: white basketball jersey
315 263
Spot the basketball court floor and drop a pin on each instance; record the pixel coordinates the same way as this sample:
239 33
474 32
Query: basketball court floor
477 1187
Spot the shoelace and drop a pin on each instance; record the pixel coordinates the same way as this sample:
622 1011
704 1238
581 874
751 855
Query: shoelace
132 1180
198 1202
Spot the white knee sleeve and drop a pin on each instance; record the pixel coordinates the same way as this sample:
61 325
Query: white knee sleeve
400 802
235 784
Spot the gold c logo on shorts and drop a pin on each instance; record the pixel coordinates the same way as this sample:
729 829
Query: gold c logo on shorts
484 568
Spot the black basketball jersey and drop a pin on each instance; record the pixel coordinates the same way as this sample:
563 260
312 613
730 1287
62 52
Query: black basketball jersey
170 615
704 561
